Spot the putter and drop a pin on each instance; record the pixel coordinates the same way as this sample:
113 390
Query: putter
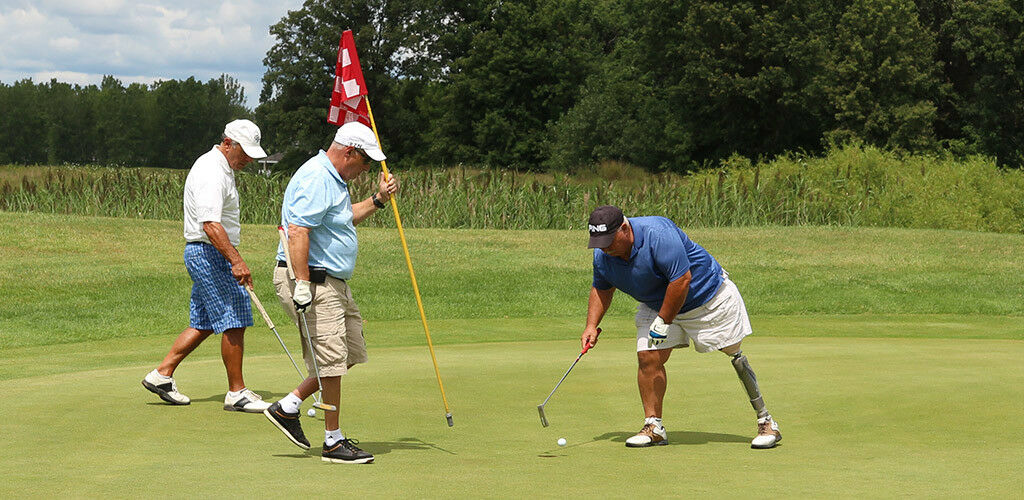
540 407
266 318
303 328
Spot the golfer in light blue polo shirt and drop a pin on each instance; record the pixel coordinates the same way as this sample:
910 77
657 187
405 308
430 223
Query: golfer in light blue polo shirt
320 218
317 197
684 295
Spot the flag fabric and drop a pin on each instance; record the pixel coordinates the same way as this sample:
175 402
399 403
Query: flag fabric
348 101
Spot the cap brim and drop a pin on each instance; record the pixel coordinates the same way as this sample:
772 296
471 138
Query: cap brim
601 241
375 154
254 152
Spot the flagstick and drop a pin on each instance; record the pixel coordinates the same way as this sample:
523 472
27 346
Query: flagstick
412 275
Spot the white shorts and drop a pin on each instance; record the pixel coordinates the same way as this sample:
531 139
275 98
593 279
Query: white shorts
720 322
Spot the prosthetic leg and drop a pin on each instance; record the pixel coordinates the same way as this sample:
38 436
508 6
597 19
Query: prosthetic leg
768 434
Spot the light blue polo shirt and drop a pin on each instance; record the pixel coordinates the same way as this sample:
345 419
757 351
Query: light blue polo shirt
317 198
661 253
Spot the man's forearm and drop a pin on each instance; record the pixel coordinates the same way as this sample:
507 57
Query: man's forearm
675 297
298 250
598 304
219 238
362 210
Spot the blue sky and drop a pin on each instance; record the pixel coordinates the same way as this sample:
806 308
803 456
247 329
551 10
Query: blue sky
79 41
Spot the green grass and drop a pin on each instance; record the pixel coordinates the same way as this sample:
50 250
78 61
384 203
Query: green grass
889 357
72 279
860 418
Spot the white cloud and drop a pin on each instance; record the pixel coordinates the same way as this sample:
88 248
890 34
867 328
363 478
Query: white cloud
141 41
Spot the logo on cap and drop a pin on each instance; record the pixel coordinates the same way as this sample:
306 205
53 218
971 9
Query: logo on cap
598 228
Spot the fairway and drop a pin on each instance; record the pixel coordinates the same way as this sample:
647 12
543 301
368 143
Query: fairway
889 357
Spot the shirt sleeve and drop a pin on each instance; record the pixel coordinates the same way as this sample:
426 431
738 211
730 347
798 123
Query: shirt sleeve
209 198
599 282
308 205
669 254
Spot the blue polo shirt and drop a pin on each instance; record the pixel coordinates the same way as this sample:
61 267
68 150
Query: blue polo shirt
317 198
661 253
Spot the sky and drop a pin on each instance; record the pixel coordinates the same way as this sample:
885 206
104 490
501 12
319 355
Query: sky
79 41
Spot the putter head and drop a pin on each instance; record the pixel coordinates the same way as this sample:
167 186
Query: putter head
324 406
448 416
543 419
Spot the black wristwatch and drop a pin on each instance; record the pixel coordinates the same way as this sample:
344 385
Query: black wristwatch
377 203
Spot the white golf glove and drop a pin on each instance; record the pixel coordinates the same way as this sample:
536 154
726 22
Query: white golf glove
659 331
302 296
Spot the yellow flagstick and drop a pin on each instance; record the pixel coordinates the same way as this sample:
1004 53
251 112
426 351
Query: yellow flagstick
412 275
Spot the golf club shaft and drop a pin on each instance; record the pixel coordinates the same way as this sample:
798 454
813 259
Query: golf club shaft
562 379
266 318
412 274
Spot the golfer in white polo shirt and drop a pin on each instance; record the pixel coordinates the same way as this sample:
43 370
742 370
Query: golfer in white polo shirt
219 303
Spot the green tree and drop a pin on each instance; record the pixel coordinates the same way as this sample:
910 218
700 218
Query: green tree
881 80
693 82
402 46
22 126
524 67
985 66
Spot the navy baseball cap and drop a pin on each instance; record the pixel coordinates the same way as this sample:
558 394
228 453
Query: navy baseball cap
604 221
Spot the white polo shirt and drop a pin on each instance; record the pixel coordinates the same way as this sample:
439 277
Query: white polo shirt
211 196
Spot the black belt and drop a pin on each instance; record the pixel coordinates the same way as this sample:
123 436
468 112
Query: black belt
317 275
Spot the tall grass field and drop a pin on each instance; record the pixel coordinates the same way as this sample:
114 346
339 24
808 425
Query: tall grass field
889 357
851 186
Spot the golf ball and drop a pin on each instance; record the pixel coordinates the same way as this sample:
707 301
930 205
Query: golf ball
561 441
311 412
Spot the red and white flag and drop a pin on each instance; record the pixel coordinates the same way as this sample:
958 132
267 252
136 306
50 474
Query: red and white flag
348 101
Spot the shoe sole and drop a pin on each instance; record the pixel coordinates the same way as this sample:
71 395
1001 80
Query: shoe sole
283 430
162 393
647 445
233 408
340 461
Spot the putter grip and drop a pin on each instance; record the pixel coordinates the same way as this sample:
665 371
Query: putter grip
587 347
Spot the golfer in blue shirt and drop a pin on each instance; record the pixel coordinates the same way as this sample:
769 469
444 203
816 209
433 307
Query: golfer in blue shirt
685 296
320 218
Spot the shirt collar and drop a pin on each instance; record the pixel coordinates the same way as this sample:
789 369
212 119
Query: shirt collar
326 163
223 161
638 240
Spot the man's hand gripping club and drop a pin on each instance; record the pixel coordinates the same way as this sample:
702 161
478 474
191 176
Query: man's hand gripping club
658 331
302 297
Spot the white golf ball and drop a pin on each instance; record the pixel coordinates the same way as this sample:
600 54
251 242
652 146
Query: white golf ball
311 412
561 441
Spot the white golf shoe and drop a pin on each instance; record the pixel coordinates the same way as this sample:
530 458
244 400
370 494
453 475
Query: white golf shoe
649 435
768 434
246 401
165 388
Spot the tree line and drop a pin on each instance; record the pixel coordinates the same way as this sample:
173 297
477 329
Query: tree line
662 84
164 124
667 85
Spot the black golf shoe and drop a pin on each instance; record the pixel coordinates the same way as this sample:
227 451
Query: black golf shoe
345 452
288 423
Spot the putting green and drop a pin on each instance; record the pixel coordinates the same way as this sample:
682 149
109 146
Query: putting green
880 417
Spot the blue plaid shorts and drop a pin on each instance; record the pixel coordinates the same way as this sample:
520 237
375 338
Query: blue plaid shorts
218 302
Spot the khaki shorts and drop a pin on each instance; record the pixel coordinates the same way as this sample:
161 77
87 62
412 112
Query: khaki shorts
720 322
334 324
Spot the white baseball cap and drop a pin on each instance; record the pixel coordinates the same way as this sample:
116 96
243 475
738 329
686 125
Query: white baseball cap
358 135
247 134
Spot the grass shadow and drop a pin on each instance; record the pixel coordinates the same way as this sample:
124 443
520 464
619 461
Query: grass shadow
375 447
267 396
680 437
384 447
